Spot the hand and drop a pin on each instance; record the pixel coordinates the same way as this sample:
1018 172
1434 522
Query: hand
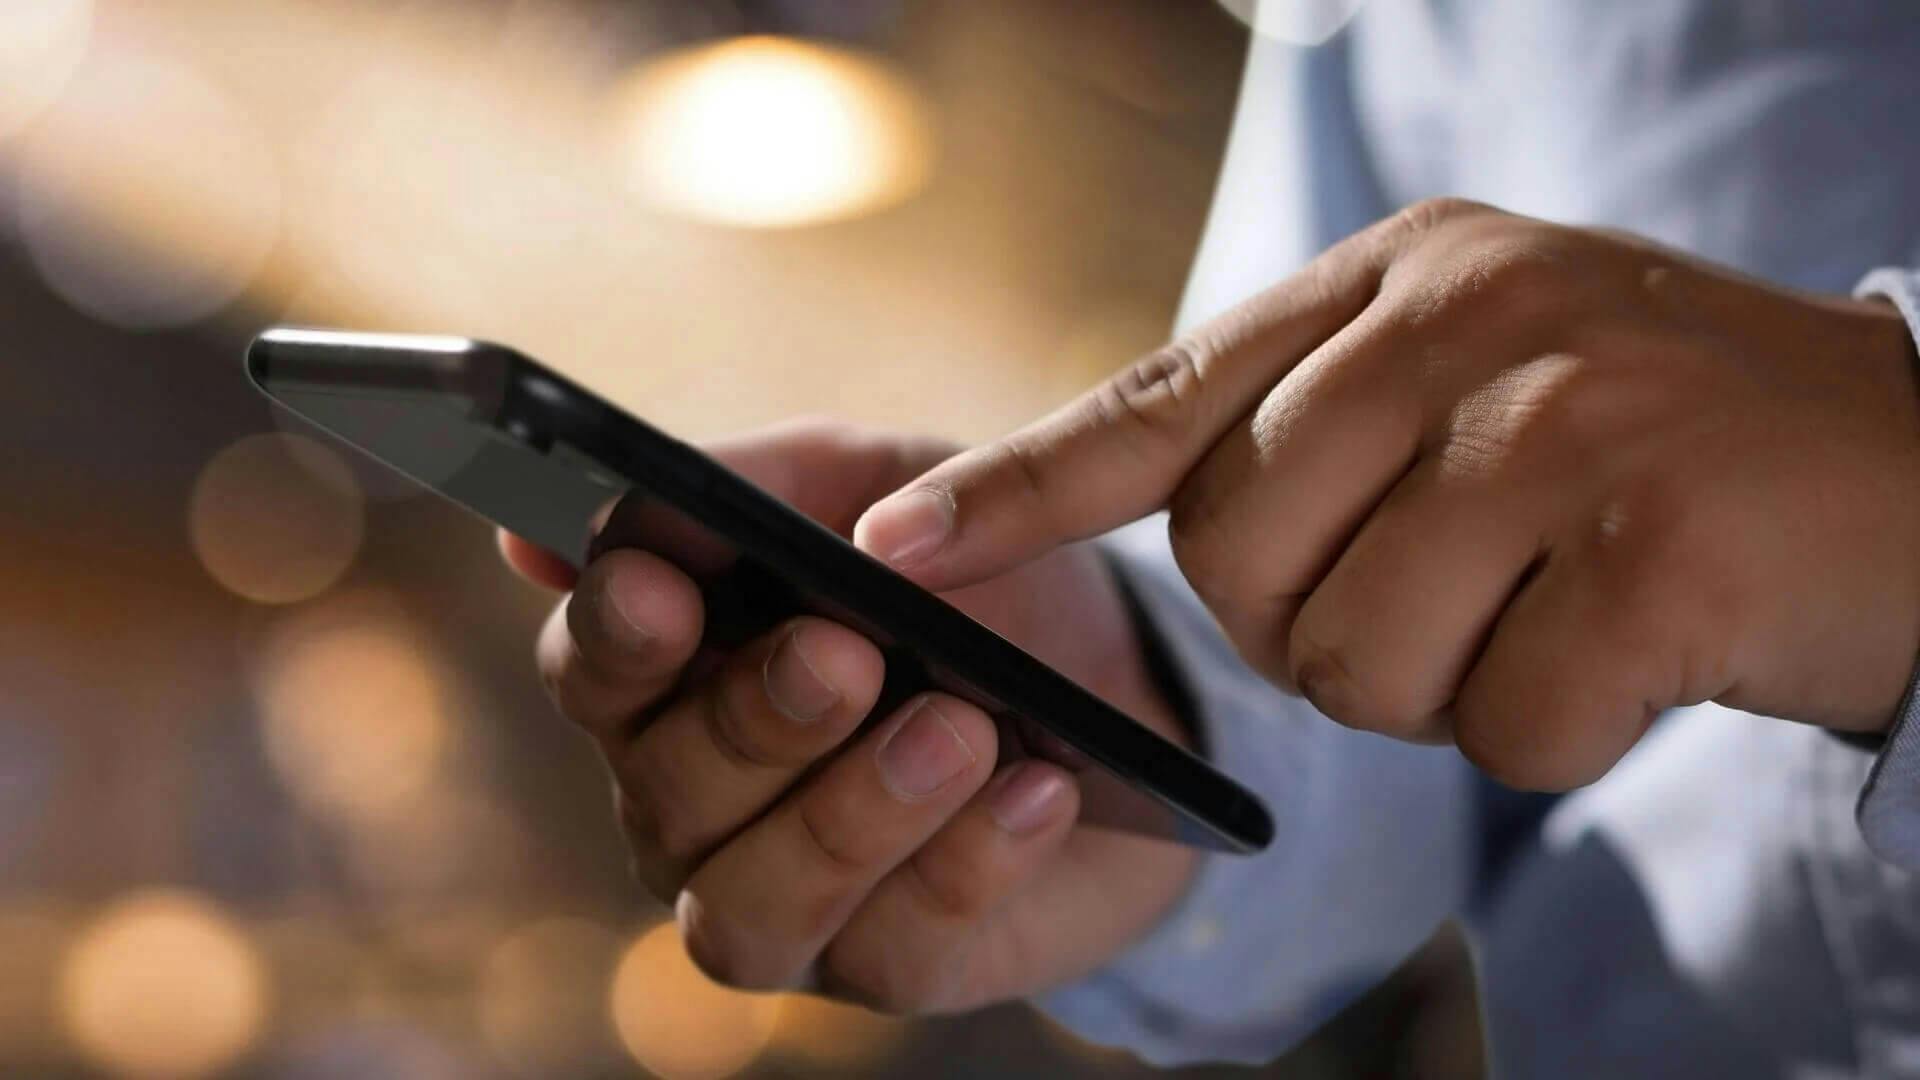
1477 477
893 866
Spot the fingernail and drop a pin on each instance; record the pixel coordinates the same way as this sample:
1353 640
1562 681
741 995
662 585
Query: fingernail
620 612
793 685
1025 798
923 754
907 528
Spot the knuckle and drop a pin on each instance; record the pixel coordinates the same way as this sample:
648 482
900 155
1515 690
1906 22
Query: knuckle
1652 536
734 722
953 889
1542 751
1516 280
661 817
832 846
1260 649
1200 545
661 827
1494 757
892 982
1540 417
1426 214
1014 460
722 955
1155 397
1326 678
674 836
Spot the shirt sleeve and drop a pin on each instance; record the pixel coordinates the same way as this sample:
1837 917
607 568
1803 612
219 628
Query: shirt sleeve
1889 806
1374 847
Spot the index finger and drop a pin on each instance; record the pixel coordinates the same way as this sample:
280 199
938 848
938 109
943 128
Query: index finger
828 471
1118 452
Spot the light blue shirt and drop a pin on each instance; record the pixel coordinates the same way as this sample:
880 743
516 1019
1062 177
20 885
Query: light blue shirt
1714 906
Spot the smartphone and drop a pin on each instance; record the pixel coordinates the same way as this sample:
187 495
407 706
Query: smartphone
538 455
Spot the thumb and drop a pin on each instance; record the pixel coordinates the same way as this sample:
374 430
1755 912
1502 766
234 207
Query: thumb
1119 451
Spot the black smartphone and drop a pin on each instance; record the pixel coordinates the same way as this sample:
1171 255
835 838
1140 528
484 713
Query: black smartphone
533 452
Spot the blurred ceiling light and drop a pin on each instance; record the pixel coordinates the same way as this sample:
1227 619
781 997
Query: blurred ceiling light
677 1022
276 518
41 43
766 131
356 714
827 1035
147 199
460 197
540 1006
163 984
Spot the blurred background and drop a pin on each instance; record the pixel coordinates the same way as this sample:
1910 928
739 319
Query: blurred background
279 793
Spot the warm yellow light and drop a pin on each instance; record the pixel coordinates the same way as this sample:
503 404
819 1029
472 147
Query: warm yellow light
148 198
679 1023
41 42
765 131
540 999
828 1035
163 985
276 518
356 714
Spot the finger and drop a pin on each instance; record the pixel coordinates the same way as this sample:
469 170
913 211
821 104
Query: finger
910 948
760 910
620 640
828 471
1589 651
1385 639
1118 452
1262 519
722 752
535 563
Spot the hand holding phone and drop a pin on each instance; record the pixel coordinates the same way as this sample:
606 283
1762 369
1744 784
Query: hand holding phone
887 863
833 774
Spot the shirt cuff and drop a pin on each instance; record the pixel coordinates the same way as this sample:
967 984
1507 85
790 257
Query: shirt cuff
1889 806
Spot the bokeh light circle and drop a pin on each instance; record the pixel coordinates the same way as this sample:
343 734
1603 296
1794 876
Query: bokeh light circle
356 714
679 1023
829 1035
276 518
148 199
540 1005
766 131
41 43
163 984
